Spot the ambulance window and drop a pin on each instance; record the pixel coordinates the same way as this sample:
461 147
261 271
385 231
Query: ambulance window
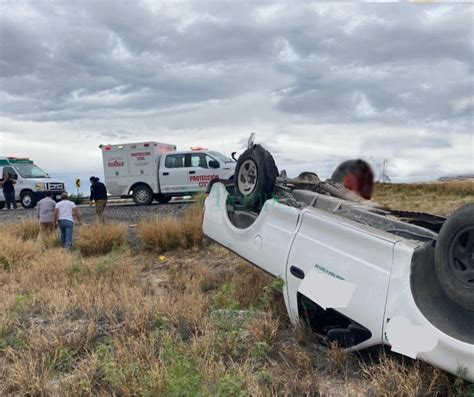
174 161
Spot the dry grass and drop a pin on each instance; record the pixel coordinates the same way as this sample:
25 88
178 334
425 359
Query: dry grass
101 321
100 239
15 252
394 377
167 233
436 198
27 230
74 325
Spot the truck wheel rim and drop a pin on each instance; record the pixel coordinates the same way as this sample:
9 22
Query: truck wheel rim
142 196
247 177
27 200
462 256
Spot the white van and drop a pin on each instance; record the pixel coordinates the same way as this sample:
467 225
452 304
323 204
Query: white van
153 170
32 182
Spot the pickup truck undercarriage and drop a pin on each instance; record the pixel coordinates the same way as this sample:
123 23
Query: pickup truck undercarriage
356 272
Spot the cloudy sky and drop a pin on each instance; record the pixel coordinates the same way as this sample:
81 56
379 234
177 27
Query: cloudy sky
317 82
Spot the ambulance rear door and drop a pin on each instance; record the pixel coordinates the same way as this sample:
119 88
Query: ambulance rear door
116 169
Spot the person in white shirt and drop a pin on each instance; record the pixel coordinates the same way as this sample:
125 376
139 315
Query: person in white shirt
65 214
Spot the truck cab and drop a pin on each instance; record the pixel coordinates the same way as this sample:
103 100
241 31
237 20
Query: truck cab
189 172
32 182
149 171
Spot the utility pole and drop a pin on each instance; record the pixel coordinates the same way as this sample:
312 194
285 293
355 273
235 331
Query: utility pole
385 177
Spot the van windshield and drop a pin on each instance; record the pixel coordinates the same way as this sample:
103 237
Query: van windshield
221 157
31 171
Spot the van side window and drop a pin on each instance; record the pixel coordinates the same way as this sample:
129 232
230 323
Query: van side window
11 171
174 161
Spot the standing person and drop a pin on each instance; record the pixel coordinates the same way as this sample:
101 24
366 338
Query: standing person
8 185
65 214
99 195
46 208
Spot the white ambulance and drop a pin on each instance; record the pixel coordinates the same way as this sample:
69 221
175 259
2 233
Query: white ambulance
152 170
32 182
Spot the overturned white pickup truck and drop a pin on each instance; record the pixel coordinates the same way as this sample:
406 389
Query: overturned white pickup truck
357 273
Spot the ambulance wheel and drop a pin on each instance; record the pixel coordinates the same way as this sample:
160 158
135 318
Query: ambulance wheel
142 195
2 205
255 176
27 199
163 199
454 257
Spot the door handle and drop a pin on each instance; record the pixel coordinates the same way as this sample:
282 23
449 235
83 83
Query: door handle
165 173
297 272
192 172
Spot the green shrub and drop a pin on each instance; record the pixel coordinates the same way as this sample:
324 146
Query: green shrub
230 386
76 198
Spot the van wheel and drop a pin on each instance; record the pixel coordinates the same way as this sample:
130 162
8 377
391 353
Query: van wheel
142 195
27 199
163 199
255 176
454 257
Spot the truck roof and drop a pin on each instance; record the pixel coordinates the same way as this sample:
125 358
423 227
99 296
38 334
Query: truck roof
14 160
136 145
190 151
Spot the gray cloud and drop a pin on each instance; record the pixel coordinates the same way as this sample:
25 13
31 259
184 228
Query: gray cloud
129 69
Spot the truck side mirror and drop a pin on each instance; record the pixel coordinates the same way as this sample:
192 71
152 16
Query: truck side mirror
214 164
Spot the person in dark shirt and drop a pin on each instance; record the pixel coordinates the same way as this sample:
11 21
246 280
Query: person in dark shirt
99 196
8 185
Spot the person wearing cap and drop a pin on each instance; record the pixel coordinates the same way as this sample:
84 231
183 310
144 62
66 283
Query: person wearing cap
65 214
8 185
99 196
46 208
357 176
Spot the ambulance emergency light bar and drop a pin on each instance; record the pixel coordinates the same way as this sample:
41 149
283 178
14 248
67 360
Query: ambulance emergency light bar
109 147
19 160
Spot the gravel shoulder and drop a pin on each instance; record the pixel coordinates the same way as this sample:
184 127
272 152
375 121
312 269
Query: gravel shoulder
129 214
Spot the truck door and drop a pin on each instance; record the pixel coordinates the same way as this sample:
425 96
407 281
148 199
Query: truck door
202 170
338 273
173 174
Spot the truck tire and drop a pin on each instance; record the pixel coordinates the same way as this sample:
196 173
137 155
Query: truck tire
454 257
255 176
163 199
27 199
142 195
